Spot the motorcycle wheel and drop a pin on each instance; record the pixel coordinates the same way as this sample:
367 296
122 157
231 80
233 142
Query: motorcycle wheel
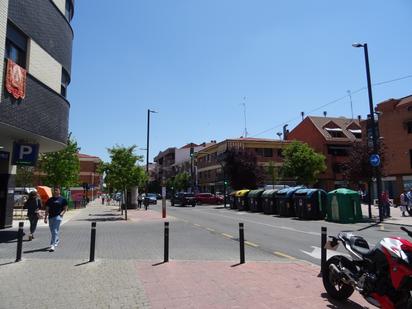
336 288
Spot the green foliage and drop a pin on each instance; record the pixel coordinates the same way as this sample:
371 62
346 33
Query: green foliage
24 176
123 172
179 182
302 163
242 170
274 172
61 167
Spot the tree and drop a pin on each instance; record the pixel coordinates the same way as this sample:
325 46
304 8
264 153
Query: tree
24 176
242 170
273 172
357 167
61 167
123 172
181 181
302 163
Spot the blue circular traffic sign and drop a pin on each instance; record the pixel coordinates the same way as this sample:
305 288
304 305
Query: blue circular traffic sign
375 160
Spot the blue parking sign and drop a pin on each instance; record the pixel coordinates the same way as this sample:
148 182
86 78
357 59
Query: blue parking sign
375 160
25 154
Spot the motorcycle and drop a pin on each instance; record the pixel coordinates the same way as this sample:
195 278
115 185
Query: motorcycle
382 275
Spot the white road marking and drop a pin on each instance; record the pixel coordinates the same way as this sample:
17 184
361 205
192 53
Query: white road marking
316 253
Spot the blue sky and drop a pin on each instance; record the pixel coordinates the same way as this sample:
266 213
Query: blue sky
195 63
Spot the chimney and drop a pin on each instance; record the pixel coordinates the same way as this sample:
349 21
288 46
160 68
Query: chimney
285 132
302 114
324 113
359 117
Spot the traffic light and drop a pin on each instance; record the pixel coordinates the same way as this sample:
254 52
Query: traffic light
192 150
225 182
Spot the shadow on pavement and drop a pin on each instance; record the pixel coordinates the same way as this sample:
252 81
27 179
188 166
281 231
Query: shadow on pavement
45 249
335 304
105 215
8 236
84 263
160 263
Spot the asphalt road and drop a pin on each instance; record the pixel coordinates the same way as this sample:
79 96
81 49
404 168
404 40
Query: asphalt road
281 237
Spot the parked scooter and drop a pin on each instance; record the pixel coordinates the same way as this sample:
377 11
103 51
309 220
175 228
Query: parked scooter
382 275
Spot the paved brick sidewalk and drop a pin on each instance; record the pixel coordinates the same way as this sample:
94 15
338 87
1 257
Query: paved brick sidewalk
252 285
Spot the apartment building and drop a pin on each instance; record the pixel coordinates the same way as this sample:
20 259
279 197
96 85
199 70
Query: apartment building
209 162
36 45
333 137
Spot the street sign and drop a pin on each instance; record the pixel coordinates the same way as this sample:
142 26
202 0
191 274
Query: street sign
375 160
25 154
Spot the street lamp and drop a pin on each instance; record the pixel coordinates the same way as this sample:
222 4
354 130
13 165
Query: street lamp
147 142
373 126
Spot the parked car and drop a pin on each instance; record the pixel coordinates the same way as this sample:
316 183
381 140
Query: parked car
183 199
151 198
208 198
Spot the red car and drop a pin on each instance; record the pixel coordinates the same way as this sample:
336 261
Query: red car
208 198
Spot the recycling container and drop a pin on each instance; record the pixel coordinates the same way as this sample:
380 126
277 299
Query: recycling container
241 199
232 200
284 198
255 200
310 203
344 206
269 201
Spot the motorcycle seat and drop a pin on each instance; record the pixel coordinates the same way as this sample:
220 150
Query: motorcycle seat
357 243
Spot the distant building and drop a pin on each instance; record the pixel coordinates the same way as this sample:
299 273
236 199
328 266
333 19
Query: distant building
333 137
210 168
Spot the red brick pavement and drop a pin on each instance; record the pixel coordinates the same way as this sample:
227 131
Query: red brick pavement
194 284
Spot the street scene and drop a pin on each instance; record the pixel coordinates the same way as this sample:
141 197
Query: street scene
218 154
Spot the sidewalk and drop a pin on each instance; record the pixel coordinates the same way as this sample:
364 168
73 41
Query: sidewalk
120 278
395 218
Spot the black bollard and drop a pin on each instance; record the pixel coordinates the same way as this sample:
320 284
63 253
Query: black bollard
92 242
19 241
166 243
323 249
242 243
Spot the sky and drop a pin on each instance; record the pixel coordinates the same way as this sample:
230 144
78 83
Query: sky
201 64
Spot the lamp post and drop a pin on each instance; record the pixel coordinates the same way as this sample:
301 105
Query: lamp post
147 141
372 126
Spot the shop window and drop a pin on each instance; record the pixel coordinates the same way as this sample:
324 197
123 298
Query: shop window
16 45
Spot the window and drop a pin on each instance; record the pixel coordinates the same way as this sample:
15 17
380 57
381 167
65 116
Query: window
267 152
65 82
409 126
280 153
69 10
259 151
335 132
337 150
16 45
356 133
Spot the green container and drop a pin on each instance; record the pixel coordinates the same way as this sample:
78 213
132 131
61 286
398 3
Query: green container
255 200
344 206
269 201
68 196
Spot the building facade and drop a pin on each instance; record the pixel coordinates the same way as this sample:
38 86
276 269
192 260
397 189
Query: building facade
332 137
209 166
395 130
36 45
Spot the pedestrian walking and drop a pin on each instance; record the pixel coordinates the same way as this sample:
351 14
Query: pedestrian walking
102 199
56 207
404 202
33 206
386 204
139 201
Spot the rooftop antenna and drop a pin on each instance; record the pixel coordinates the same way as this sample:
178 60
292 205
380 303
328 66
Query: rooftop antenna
350 99
244 114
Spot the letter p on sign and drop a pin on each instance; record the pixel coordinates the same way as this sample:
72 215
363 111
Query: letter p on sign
25 154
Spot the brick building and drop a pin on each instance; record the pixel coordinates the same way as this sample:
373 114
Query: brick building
209 167
395 129
36 48
332 137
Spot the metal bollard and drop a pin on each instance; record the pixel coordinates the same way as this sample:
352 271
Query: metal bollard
19 242
166 243
323 249
242 243
92 242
